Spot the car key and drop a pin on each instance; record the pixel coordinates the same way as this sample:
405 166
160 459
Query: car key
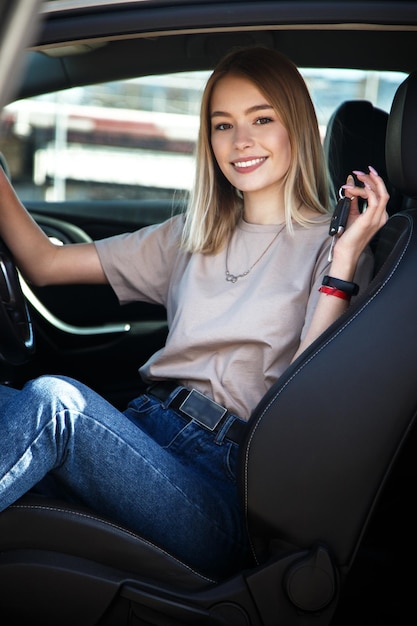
338 221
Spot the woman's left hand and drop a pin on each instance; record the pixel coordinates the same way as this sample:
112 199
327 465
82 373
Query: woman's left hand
362 226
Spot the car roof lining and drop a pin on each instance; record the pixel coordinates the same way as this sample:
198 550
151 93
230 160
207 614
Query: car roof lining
141 56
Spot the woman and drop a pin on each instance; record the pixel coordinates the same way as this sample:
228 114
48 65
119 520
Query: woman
240 276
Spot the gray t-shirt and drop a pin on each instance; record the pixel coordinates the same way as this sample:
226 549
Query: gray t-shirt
229 340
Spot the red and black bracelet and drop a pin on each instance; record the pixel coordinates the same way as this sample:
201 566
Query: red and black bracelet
332 291
351 289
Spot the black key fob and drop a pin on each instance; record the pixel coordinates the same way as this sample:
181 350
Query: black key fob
340 217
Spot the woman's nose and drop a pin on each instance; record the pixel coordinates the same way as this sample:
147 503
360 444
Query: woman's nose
242 137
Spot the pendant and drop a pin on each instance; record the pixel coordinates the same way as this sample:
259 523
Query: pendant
231 278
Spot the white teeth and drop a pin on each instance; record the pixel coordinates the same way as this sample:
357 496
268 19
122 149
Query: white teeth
248 163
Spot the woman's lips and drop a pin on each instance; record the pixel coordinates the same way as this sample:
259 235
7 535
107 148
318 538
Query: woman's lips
248 165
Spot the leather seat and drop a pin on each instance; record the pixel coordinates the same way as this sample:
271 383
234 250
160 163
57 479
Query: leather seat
355 138
318 451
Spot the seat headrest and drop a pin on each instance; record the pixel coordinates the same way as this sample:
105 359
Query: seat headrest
401 140
355 139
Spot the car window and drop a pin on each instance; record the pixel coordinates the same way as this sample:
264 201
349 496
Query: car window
135 139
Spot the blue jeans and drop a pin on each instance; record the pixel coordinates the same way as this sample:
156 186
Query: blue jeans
172 482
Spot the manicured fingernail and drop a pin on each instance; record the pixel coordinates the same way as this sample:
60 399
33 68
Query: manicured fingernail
373 170
350 180
359 173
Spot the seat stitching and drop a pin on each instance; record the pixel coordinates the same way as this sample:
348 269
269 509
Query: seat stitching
313 356
112 525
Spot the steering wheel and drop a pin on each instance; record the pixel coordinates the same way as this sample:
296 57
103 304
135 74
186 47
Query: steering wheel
16 333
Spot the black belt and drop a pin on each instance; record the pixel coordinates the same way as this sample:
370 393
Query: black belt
193 405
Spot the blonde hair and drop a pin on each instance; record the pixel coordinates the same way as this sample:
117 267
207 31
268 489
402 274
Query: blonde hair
215 205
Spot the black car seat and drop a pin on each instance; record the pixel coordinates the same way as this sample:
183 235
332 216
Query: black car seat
319 449
354 139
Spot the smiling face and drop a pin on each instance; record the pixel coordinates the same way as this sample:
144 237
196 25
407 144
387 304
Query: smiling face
249 141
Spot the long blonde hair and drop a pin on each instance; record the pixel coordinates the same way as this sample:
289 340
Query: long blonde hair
215 205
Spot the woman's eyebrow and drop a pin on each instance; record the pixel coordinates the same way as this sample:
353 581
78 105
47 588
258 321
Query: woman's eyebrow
253 109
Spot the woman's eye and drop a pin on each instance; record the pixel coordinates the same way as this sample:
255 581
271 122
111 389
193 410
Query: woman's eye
263 120
222 126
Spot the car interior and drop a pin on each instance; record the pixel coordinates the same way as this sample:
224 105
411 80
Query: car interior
326 467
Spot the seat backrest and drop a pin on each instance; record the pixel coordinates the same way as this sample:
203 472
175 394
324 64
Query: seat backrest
401 138
323 440
354 139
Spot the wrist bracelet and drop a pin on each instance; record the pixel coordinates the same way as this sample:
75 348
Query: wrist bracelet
332 291
343 285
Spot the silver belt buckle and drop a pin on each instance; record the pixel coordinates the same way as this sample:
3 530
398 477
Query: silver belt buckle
203 410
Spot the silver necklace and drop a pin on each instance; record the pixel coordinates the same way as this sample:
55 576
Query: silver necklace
232 278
